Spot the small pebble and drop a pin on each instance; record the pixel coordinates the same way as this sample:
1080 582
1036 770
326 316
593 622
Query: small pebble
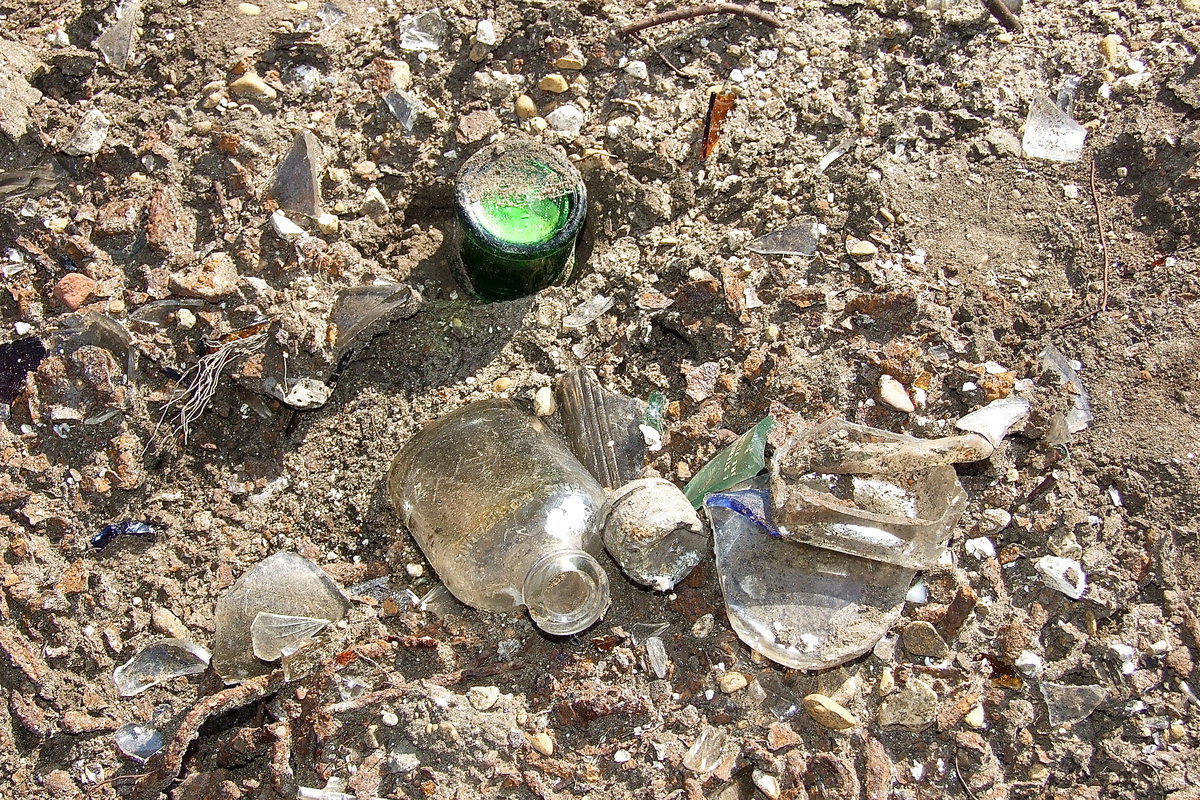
975 717
501 385
893 395
621 756
994 520
566 119
637 69
829 713
249 9
389 718
543 743
922 639
733 682
571 62
483 697
543 402
328 223
860 248
166 623
252 86
365 168
185 319
887 682
1190 5
1110 48
525 107
554 83
73 289
767 783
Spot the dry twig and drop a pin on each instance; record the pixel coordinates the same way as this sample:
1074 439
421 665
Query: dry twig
700 11
1103 233
1003 15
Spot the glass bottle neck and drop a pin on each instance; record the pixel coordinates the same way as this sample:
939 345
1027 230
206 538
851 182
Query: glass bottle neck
566 592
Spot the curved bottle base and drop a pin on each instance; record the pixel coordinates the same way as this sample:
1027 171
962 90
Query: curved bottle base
566 592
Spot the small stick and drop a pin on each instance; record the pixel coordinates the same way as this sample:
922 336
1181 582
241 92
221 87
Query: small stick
701 11
1100 228
665 60
1005 17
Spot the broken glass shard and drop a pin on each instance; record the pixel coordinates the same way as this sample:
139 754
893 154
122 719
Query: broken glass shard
284 584
330 15
1066 705
1050 133
705 753
869 493
797 239
738 462
138 741
602 428
839 150
297 185
641 632
405 107
424 31
588 312
17 359
159 662
127 527
1079 416
778 698
996 419
116 43
363 311
277 635
656 655
802 606
656 410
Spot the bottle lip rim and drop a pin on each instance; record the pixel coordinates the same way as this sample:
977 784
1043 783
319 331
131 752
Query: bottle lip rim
570 227
588 612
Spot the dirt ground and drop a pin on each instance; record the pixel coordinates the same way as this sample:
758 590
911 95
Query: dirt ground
980 258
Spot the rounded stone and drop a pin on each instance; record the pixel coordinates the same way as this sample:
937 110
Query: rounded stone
733 682
861 249
554 83
525 107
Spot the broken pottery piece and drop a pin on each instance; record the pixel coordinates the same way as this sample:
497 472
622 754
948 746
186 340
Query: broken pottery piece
740 461
798 239
277 635
652 531
159 662
602 428
283 584
1050 133
297 185
799 605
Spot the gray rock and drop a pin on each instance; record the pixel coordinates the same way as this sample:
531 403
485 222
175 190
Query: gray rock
297 184
914 708
18 64
90 135
922 639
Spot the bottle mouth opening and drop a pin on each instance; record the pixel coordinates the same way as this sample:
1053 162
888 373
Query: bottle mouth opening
566 592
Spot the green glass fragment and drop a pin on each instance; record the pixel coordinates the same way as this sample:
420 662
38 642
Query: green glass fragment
740 461
656 409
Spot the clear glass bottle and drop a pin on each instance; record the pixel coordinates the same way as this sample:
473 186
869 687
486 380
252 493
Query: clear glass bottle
505 514
519 207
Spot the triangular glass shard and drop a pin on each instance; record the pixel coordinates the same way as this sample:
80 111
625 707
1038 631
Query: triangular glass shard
404 106
116 43
362 310
276 635
1050 133
297 185
424 31
161 661
797 239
